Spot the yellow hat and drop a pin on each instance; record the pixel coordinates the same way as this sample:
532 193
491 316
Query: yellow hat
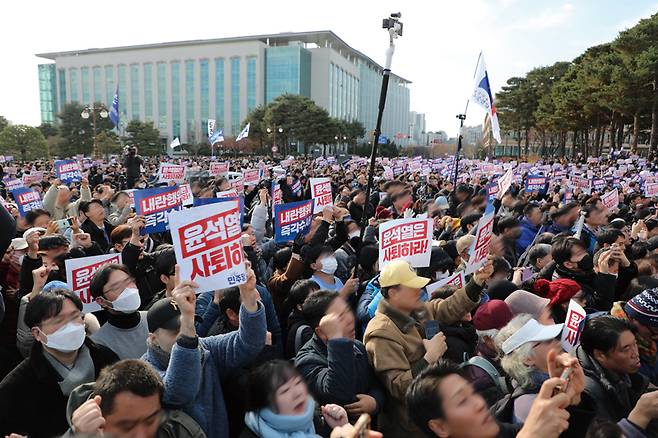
399 272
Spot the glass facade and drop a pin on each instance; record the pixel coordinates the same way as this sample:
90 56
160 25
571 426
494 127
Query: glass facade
84 82
123 87
109 85
204 95
175 98
98 84
134 92
287 70
251 83
219 92
73 79
148 91
61 73
162 96
189 100
235 96
47 92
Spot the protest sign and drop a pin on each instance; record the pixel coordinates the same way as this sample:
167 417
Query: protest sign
155 205
492 190
185 195
582 183
29 178
572 326
292 219
171 172
227 194
251 177
611 199
68 171
277 195
480 248
131 195
218 169
457 280
321 193
208 245
651 190
79 273
26 200
13 183
238 184
408 239
535 184
505 182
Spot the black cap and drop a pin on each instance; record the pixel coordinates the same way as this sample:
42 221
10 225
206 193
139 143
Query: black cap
47 243
163 314
652 243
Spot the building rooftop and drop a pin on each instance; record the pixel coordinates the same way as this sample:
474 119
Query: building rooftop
320 38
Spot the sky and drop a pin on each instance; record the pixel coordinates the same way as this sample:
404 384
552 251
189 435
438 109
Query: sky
438 51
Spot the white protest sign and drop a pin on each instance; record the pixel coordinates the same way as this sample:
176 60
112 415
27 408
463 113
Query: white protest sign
458 280
407 239
611 199
571 330
251 177
480 248
227 194
651 190
171 172
208 245
321 193
505 182
185 195
218 169
79 273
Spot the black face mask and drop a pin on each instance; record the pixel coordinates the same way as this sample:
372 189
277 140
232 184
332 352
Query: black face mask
586 264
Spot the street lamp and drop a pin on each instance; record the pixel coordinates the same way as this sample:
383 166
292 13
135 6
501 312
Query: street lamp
274 131
339 137
91 110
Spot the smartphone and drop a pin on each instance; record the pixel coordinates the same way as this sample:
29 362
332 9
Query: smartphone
361 427
564 376
432 327
63 224
526 274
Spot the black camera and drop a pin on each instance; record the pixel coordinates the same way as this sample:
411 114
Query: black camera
392 22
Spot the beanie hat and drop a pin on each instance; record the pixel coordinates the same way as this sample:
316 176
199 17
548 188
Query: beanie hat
493 314
644 308
55 284
522 301
382 212
558 291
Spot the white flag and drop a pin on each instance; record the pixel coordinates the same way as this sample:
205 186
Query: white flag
244 133
483 96
174 144
211 127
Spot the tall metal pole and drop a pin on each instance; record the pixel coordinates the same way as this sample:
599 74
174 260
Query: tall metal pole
93 122
461 118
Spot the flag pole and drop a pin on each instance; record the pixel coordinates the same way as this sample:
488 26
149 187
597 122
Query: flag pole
394 28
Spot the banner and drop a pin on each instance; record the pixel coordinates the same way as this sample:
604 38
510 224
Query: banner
505 182
651 190
492 190
611 199
277 194
292 219
218 169
238 184
185 195
458 280
321 193
535 184
29 178
208 245
572 326
68 171
171 172
26 200
406 239
155 205
480 248
251 177
13 183
79 273
227 194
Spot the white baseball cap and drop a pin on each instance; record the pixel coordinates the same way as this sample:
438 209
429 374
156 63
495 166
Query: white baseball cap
19 243
531 331
33 230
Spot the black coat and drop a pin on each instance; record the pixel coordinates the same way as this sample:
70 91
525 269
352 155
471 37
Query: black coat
31 401
97 234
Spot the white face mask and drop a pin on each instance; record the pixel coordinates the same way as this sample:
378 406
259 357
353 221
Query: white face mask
355 234
128 301
329 265
441 275
67 338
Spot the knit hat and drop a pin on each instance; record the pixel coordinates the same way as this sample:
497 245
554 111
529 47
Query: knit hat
644 308
465 242
55 284
442 203
522 301
382 212
493 314
558 291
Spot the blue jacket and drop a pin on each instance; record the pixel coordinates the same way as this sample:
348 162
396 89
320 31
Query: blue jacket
528 233
192 376
362 313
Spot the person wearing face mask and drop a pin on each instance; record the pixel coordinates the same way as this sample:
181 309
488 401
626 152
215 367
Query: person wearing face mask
346 254
191 367
126 329
62 358
324 265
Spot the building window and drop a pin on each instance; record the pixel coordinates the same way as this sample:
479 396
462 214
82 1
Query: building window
123 86
134 91
73 79
331 89
98 85
175 98
251 83
47 92
148 92
204 94
62 88
219 92
235 96
162 96
84 80
189 100
287 70
109 84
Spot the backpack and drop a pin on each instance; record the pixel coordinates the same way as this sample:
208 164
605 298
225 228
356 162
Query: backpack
492 372
503 409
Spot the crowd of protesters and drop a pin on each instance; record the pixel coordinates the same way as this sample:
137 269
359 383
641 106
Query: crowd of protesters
320 334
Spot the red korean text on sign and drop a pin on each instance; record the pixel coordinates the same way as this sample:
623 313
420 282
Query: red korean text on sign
404 240
81 278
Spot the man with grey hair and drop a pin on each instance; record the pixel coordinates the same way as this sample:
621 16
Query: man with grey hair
539 256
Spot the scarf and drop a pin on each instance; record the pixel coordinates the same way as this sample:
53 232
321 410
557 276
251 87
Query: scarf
646 346
82 371
265 423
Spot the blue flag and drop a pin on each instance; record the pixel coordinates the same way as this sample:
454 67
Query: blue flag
114 111
216 137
